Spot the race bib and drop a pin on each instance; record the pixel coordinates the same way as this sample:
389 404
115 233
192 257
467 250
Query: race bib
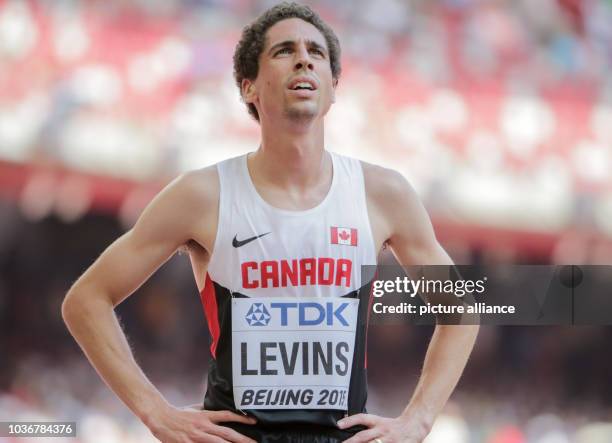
290 353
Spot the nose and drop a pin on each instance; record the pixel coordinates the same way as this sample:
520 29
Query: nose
302 59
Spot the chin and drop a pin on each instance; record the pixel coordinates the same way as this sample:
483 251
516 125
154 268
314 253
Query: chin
304 111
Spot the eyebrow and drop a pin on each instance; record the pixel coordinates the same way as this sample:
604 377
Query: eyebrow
291 43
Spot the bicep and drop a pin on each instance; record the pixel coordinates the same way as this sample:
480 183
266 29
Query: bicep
161 229
412 238
124 266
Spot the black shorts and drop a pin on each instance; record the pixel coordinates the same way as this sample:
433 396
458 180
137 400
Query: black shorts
298 433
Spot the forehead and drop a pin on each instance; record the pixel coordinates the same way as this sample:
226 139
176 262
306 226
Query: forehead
293 29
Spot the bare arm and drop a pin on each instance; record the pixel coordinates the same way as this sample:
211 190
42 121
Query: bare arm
171 220
413 242
406 227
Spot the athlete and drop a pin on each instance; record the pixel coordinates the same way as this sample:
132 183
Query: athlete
276 239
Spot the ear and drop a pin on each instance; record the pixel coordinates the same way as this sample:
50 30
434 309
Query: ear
333 91
249 92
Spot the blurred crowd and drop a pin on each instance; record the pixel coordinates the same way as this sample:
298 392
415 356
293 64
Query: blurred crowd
523 384
498 111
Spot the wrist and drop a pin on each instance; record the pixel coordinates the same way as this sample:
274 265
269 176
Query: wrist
151 414
419 417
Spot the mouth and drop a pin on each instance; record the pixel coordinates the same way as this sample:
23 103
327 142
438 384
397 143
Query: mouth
303 84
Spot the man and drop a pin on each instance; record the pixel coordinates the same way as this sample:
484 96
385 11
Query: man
274 237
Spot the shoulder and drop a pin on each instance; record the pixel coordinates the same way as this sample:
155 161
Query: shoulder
387 186
197 187
379 181
395 206
195 195
186 204
195 205
392 203
399 210
189 192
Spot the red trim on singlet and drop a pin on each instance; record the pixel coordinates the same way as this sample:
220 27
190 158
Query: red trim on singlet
370 300
209 302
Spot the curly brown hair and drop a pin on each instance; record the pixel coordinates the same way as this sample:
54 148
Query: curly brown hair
252 42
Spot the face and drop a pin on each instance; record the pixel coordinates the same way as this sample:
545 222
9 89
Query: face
294 79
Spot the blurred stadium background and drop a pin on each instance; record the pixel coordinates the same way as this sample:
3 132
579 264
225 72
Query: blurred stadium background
499 112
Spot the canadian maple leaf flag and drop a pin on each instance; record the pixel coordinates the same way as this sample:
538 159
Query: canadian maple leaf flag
343 236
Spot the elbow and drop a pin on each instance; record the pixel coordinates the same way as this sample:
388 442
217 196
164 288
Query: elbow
77 303
70 306
84 301
473 331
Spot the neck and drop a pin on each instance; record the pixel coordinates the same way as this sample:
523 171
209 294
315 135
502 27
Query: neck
293 156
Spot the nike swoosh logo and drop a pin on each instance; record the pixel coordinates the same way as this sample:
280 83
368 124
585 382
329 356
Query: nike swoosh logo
237 243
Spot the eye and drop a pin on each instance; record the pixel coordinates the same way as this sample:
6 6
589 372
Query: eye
285 50
317 51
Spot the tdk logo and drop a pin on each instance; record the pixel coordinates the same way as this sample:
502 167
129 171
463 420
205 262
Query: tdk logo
258 315
311 313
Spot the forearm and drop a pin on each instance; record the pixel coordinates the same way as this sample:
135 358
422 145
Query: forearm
94 325
446 357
